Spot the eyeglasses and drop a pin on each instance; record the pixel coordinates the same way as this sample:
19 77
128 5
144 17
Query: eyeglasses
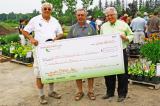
45 9
111 15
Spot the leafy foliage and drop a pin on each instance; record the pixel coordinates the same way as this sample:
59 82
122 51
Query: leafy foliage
9 38
151 49
140 68
87 3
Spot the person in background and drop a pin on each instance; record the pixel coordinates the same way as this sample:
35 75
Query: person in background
98 24
45 28
110 27
88 20
124 18
82 29
138 26
92 22
146 16
153 24
22 24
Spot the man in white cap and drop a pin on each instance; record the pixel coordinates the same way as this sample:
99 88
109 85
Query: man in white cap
146 16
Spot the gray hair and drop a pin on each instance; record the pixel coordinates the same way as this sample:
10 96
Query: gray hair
81 9
110 9
46 4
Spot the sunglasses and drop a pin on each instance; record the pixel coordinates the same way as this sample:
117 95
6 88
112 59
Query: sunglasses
80 15
45 9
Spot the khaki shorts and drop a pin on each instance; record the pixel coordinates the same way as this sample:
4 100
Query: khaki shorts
35 65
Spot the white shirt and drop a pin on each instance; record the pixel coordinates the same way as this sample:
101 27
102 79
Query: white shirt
99 22
88 21
138 24
43 30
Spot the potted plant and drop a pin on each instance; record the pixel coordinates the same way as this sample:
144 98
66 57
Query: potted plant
135 71
151 49
152 74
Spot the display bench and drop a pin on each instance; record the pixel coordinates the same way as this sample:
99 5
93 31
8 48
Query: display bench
4 58
21 62
155 81
144 72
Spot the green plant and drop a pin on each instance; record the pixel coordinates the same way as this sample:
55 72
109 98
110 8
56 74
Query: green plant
152 70
136 69
151 49
6 49
11 38
2 40
21 51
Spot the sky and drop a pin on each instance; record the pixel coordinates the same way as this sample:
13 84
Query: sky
19 6
27 6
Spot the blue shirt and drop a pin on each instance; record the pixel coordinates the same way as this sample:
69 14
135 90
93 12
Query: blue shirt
138 24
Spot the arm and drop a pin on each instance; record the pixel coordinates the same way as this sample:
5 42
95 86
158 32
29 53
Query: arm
128 36
59 32
26 32
59 36
31 39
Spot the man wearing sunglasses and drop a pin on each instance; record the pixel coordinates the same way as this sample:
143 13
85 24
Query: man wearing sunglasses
45 28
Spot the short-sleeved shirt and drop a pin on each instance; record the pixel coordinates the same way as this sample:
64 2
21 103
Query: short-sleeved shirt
118 27
138 24
81 31
43 30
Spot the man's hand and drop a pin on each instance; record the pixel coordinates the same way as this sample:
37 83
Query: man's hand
33 41
59 36
124 37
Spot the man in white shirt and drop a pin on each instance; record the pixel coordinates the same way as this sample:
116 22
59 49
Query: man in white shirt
98 24
138 26
46 28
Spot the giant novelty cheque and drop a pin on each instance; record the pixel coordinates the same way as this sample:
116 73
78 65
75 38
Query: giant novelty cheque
79 58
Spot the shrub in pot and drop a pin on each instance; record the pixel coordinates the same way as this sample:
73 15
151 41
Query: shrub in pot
151 49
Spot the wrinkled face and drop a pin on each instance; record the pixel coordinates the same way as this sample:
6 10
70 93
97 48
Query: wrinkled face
81 16
46 11
111 16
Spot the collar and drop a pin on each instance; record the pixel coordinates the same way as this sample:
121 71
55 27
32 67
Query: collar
44 19
113 24
84 26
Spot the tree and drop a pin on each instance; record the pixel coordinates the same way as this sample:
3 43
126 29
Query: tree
140 4
71 4
106 4
111 4
100 5
3 17
118 7
96 12
12 16
132 8
157 3
35 13
87 3
123 6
